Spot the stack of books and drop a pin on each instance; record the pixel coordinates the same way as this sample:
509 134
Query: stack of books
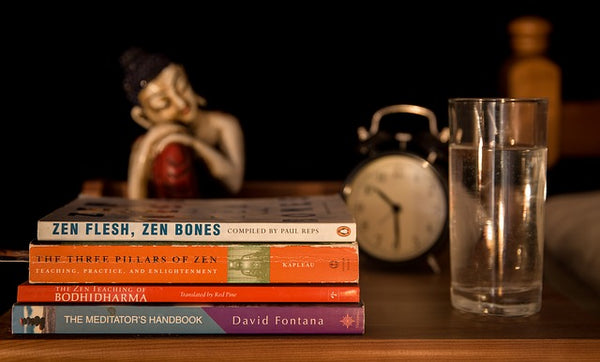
273 265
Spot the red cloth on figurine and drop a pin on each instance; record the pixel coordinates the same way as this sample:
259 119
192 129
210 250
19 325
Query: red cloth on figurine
174 174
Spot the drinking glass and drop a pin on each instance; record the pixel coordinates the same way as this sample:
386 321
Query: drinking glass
497 180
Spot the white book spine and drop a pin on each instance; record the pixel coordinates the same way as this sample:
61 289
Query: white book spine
188 231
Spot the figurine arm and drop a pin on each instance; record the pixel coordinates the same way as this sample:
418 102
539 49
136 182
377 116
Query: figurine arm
142 154
232 146
225 160
137 177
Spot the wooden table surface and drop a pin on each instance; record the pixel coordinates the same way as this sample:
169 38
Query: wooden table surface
408 317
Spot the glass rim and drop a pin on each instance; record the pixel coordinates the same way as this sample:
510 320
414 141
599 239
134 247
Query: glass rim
498 100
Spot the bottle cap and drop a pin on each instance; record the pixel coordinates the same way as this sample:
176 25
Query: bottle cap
529 34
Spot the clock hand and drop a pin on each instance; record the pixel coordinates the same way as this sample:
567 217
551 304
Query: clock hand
396 228
383 196
396 208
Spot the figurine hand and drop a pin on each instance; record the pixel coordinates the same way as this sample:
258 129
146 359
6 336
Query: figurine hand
179 137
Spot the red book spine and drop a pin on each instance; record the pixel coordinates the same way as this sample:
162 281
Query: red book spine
186 293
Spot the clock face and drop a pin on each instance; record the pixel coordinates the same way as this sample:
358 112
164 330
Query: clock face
400 205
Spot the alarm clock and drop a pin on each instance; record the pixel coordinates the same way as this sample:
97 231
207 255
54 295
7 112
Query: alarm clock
398 193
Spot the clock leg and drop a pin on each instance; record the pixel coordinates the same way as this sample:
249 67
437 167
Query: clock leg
433 264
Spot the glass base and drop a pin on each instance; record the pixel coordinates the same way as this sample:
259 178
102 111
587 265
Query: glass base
517 304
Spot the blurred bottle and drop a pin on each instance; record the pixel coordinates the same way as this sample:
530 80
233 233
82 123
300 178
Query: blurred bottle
530 73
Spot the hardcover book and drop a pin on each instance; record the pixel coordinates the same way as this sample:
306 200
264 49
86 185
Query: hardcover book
186 262
292 218
224 318
187 293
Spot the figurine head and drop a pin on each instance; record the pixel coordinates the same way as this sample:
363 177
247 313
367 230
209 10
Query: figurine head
158 88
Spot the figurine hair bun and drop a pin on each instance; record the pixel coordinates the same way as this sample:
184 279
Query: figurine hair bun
139 68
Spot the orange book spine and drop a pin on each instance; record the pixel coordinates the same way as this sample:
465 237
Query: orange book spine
187 293
193 263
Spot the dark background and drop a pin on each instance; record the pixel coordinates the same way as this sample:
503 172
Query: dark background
300 79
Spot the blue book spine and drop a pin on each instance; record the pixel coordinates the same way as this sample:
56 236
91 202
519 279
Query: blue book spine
308 318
